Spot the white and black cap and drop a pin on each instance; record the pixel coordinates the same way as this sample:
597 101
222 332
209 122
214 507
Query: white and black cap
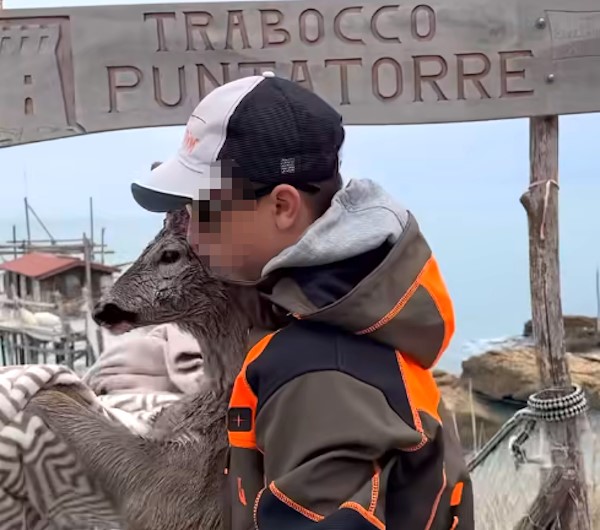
272 130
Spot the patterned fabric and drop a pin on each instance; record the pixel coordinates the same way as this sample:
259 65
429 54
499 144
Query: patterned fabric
42 486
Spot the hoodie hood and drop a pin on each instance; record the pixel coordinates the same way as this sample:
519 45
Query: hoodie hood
365 266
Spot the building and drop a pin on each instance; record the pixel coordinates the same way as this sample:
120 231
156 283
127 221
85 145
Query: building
37 276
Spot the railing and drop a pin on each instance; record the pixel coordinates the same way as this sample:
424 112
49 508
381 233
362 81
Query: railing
16 348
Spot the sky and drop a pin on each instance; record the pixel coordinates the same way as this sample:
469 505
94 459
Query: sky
462 182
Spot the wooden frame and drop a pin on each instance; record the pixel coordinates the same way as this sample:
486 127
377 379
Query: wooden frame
117 67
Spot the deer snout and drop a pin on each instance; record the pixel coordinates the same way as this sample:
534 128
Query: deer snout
110 315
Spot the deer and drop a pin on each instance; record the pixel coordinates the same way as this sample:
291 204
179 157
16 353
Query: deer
173 477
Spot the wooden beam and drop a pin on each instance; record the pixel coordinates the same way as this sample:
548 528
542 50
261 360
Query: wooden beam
541 204
51 250
17 302
14 240
37 246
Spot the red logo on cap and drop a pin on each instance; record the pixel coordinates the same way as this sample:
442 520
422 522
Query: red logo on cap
189 141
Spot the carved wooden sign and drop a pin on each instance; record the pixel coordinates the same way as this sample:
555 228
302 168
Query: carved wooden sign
80 70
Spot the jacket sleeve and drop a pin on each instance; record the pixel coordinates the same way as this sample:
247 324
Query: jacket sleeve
329 442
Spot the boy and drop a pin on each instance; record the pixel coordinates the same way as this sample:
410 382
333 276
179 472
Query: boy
335 420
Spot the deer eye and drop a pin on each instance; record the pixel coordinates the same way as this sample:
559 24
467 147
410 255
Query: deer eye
169 257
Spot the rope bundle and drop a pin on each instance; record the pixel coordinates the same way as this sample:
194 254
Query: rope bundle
549 405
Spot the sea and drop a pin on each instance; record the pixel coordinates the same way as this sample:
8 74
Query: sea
490 287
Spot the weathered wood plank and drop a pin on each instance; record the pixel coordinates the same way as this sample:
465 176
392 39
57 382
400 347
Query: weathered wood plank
68 71
563 500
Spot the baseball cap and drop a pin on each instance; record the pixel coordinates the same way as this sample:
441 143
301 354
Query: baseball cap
267 129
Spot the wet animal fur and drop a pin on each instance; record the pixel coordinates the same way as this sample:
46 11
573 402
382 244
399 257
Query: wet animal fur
173 478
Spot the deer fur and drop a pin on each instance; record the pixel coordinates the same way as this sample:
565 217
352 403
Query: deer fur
172 479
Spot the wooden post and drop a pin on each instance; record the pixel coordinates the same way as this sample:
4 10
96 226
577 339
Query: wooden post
66 329
14 227
90 292
562 501
88 271
26 349
102 253
27 225
3 343
92 255
597 302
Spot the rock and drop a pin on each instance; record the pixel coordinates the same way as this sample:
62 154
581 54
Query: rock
512 374
455 394
585 371
502 374
580 333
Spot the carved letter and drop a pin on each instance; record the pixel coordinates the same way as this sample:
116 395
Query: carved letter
258 67
337 26
113 87
429 78
235 21
375 79
158 95
160 28
505 73
343 66
270 28
474 77
431 23
305 24
374 24
301 74
205 74
197 20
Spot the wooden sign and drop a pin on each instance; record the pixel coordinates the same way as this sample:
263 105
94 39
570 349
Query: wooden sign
81 70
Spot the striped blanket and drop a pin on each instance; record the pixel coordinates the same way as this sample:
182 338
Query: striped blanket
42 486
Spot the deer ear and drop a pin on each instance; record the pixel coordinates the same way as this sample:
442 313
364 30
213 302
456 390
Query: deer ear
177 222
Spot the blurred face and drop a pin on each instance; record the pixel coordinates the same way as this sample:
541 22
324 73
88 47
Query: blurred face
237 236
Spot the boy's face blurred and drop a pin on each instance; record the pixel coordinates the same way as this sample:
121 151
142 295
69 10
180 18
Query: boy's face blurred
237 236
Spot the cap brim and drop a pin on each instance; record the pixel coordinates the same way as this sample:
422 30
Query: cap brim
156 201
168 187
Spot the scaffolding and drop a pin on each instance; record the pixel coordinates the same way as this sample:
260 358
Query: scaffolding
17 345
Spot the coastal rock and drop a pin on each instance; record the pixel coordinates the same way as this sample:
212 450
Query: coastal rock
580 333
457 399
512 374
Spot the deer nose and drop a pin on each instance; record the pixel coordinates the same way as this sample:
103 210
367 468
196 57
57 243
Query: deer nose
102 313
108 313
97 312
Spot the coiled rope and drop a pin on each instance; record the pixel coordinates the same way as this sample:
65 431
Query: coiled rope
549 405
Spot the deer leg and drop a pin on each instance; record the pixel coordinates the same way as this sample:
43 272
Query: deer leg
107 449
152 486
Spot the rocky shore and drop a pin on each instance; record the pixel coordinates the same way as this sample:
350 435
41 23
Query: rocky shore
497 383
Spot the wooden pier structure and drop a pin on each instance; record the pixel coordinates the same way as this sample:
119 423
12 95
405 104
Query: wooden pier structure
56 276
